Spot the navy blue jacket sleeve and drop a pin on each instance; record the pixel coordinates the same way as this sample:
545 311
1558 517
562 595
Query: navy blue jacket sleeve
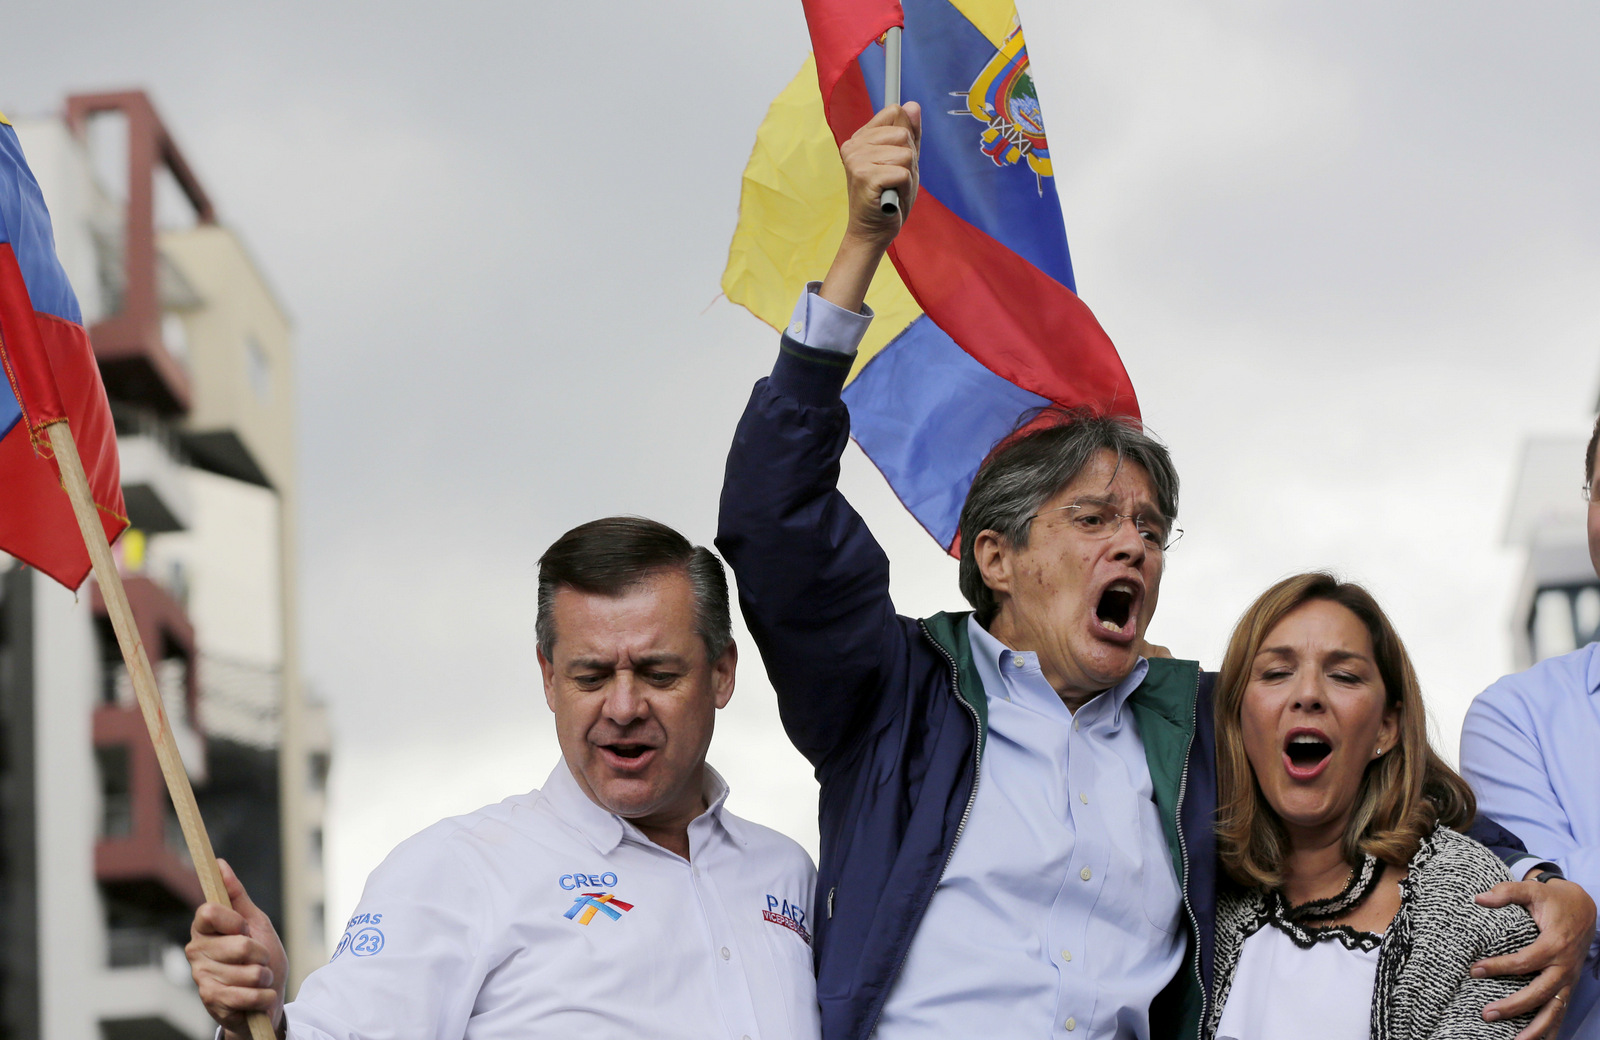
1500 841
813 583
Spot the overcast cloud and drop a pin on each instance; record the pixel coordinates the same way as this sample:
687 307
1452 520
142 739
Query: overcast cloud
1349 253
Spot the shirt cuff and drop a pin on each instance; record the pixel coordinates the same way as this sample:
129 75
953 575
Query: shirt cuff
1527 864
824 326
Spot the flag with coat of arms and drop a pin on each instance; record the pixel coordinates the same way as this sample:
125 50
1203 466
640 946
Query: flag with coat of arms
979 325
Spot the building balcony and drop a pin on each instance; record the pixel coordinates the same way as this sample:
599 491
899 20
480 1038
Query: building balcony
150 998
136 361
153 486
140 855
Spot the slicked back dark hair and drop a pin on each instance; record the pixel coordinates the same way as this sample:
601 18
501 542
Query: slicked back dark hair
608 557
1025 473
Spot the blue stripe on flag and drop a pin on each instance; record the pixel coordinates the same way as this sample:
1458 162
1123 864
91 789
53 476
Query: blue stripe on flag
25 224
944 53
10 411
926 414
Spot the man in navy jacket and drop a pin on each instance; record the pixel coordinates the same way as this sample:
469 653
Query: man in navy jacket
1072 890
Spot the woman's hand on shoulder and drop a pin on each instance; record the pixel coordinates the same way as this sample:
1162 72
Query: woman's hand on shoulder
1566 918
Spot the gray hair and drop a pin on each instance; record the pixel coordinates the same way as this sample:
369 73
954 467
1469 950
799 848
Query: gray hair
610 556
1024 473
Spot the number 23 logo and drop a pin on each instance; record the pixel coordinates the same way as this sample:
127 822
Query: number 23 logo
364 943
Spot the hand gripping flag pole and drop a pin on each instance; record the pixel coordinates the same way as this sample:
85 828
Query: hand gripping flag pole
144 682
890 199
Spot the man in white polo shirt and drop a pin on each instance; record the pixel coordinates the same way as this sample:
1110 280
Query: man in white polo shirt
620 900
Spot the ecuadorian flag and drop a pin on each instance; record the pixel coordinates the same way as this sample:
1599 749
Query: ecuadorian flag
50 377
978 322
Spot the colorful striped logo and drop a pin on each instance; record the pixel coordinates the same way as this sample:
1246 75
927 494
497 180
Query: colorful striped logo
585 906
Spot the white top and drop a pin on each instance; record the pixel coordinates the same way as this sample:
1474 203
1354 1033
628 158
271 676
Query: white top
1058 914
546 916
1283 992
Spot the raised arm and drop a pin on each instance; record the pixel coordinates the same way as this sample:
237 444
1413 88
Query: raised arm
813 583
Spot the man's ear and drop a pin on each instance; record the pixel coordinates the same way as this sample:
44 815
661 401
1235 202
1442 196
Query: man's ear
722 670
548 671
993 554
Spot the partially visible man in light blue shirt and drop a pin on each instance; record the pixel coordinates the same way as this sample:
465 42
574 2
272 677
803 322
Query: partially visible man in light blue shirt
1530 747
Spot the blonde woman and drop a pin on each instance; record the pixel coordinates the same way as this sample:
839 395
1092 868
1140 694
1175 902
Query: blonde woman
1351 912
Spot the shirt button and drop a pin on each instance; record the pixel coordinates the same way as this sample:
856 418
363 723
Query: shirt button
696 871
1083 796
725 953
1017 662
1074 725
1066 955
1071 1024
1086 873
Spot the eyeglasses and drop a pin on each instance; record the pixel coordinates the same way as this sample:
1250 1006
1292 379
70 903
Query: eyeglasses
1101 520
1588 492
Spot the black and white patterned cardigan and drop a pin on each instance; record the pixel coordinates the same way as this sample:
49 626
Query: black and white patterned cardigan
1422 990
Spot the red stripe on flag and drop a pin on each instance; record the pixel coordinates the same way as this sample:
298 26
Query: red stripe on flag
52 370
840 31
22 350
1017 321
1020 323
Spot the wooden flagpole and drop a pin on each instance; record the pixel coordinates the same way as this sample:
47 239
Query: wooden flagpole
144 682
890 199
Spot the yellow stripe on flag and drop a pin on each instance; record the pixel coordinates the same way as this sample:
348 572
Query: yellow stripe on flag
993 18
792 211
4 120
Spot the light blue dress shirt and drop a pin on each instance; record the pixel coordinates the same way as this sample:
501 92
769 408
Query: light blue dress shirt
1530 747
820 324
1058 913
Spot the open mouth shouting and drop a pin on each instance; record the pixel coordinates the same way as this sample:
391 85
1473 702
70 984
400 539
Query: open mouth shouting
1306 752
626 756
1116 612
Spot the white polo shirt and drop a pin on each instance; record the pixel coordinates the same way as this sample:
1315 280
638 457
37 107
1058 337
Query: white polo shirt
547 916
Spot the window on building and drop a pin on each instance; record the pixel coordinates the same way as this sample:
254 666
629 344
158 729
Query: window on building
1564 618
317 767
258 367
316 848
115 686
116 795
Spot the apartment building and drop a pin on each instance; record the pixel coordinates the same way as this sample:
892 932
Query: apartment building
195 348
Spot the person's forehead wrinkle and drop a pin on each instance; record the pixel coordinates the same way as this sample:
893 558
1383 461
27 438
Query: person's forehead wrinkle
1337 656
659 657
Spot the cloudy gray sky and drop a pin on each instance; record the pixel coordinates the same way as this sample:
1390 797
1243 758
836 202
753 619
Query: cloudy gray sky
1349 253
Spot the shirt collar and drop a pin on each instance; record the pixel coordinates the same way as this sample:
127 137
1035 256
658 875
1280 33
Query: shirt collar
605 829
1003 659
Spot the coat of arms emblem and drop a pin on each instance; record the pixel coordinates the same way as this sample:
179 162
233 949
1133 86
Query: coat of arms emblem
1003 98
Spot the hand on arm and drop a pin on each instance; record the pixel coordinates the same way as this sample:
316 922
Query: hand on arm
879 156
1566 918
237 961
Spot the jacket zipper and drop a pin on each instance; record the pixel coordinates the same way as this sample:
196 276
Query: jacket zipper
977 766
1183 852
